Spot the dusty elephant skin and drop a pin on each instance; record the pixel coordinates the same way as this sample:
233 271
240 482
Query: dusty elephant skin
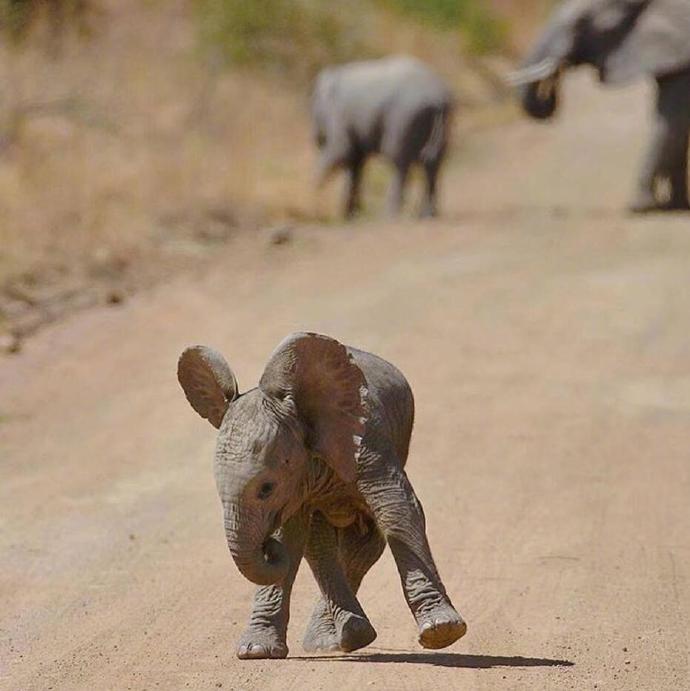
624 40
311 463
397 107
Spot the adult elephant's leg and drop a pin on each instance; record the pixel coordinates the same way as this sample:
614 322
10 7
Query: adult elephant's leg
265 635
667 157
679 176
675 107
353 186
359 549
343 624
653 171
400 517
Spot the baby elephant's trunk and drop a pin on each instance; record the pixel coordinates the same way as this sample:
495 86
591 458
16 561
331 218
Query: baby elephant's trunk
260 558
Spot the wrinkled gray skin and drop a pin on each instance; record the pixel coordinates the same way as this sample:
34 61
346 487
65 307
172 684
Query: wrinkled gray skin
396 107
311 463
624 40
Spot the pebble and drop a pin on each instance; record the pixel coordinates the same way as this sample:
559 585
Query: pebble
115 297
280 235
10 343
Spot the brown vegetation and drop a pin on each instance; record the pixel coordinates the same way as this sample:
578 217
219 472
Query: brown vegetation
132 150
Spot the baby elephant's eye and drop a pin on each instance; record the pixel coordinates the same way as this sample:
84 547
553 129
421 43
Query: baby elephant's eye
266 490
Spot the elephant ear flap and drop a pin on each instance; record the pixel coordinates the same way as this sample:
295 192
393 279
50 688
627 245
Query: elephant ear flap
208 382
329 392
649 38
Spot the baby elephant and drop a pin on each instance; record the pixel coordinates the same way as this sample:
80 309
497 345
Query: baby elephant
397 107
311 463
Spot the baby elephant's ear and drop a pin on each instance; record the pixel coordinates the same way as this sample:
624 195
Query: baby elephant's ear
329 392
208 382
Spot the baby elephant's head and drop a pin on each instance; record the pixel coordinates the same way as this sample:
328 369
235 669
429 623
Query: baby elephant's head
310 402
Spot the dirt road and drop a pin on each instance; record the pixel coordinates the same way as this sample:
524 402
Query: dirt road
547 339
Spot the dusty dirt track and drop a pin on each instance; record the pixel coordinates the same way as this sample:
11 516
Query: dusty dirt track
547 338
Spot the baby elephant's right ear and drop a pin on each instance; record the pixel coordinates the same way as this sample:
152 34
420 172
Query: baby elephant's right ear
208 382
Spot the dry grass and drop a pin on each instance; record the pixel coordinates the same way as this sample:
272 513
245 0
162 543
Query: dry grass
129 144
523 17
127 131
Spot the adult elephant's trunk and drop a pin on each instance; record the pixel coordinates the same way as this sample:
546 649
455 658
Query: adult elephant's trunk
540 98
538 83
259 557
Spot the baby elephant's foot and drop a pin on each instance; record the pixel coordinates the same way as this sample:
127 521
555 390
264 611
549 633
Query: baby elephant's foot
355 632
440 627
349 633
259 643
321 635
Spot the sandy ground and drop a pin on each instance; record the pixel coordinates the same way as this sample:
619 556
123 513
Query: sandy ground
547 339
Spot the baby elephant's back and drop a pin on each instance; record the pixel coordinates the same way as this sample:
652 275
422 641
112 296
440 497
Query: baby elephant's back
390 401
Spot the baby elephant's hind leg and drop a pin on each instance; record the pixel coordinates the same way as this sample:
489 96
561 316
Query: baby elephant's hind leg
356 550
360 549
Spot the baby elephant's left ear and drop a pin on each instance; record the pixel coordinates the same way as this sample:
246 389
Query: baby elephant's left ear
329 392
208 382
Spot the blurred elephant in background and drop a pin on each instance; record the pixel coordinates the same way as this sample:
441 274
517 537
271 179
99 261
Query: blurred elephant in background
311 463
395 106
624 40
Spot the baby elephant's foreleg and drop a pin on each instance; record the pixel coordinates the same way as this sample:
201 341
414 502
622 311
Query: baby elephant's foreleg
266 633
339 622
400 517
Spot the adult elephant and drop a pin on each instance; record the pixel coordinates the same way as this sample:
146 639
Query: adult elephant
624 40
395 106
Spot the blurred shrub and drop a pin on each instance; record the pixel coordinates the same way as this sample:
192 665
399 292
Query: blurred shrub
482 29
295 36
18 17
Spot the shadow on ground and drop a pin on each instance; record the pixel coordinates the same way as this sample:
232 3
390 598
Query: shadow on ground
445 660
